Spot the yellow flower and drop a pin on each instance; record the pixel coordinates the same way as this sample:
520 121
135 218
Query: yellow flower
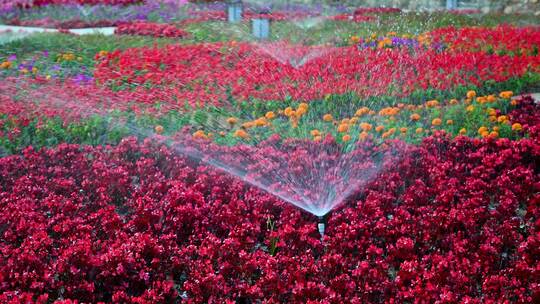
48 77
328 117
241 133
366 126
34 70
288 111
415 117
419 130
484 134
270 115
232 120
24 71
506 94
5 65
343 128
199 135
436 122
491 112
317 138
260 122
502 119
462 131
361 111
516 127
482 130
469 108
353 120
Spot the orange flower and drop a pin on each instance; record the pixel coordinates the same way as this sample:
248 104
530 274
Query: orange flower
270 115
363 136
366 126
353 120
343 128
484 134
462 131
469 108
432 103
346 138
379 128
454 101
260 122
436 122
491 98
419 130
232 120
506 94
415 117
315 133
248 124
449 122
493 134
471 94
328 117
514 102
241 133
199 134
288 111
482 130
403 130
502 119
158 129
517 127
317 138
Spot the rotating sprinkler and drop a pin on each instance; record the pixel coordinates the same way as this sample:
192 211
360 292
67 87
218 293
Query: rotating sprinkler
321 224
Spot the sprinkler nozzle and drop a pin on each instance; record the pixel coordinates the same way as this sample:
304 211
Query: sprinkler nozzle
321 225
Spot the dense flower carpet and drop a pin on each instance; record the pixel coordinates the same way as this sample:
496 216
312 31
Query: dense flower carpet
180 160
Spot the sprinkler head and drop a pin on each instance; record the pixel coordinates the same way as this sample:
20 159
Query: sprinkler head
321 225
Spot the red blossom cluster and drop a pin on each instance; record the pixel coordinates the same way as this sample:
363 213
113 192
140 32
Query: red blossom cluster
143 28
209 73
448 221
376 10
68 24
503 38
208 15
84 2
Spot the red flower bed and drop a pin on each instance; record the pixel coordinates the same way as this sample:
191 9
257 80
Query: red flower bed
505 38
204 16
449 221
208 73
376 10
88 2
150 29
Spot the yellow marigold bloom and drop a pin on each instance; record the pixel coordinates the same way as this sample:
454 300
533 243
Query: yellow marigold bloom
353 120
436 122
506 94
102 53
484 134
241 133
454 101
355 39
471 94
491 98
24 71
248 124
315 132
328 117
432 103
361 111
288 111
462 131
199 134
366 126
270 115
5 65
260 122
403 130
300 111
469 108
343 128
379 128
482 130
48 77
415 117
34 70
346 138
492 118
449 122
517 127
158 129
232 120
419 130
491 112
481 100
502 119
363 136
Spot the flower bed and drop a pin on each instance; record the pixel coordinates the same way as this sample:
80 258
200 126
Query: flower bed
139 223
150 29
208 73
